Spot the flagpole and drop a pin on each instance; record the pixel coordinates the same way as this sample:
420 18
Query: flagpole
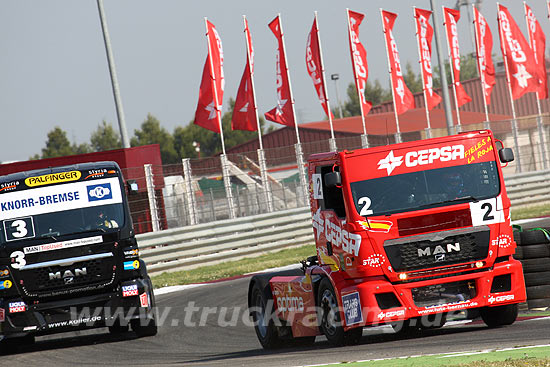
298 146
514 121
479 66
539 117
458 126
223 157
397 133
261 155
332 141
428 130
364 137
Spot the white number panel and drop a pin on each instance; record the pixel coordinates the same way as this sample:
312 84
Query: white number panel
317 186
487 211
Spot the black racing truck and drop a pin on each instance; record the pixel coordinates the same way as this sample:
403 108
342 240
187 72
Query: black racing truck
69 259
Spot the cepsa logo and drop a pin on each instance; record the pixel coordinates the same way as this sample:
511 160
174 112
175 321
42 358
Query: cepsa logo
422 157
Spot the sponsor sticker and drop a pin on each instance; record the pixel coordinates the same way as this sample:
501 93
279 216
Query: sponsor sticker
131 265
6 284
144 300
508 297
129 290
389 314
15 307
52 178
62 245
352 308
99 192
374 261
503 241
131 253
2 315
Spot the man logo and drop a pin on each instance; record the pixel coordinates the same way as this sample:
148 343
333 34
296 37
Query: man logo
68 275
439 250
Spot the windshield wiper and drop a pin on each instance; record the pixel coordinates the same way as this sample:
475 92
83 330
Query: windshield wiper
462 198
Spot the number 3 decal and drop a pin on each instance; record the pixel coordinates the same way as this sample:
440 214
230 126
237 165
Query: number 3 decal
365 209
18 259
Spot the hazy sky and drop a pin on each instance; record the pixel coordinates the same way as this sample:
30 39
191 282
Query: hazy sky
54 72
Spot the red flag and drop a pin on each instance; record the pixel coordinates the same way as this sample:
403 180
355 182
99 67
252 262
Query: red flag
451 18
208 114
315 66
537 39
522 68
402 95
484 46
244 112
358 59
283 113
425 34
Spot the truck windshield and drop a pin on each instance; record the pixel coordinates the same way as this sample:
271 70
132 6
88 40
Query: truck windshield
426 189
103 218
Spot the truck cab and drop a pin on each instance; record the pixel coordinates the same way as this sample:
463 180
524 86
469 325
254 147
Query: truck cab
405 234
68 256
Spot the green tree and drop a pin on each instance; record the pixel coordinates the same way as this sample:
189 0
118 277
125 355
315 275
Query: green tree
152 133
468 70
105 137
412 79
209 141
374 93
57 144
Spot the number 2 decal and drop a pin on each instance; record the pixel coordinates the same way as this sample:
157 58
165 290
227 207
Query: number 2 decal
317 186
487 216
365 209
487 211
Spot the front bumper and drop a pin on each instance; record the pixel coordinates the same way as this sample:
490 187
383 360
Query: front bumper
132 299
383 302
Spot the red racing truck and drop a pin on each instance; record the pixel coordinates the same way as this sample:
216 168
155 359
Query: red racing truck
406 235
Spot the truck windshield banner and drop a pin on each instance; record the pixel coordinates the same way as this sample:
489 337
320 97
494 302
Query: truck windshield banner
62 197
426 157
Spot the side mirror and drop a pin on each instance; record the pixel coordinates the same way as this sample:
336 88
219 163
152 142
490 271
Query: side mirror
333 179
506 155
132 186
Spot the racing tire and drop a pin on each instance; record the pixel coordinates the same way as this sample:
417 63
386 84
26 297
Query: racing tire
329 318
538 292
533 237
534 279
534 251
535 265
518 254
538 303
263 315
517 237
499 315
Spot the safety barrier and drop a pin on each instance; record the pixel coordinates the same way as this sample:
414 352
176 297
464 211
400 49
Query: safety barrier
214 242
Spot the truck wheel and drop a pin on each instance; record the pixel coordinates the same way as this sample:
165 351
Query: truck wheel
262 316
499 315
329 317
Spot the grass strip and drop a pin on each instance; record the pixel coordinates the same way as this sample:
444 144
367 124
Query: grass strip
233 268
522 356
534 211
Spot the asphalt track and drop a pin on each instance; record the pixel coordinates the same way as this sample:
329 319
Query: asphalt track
197 330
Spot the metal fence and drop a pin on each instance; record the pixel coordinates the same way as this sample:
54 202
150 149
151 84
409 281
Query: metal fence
193 192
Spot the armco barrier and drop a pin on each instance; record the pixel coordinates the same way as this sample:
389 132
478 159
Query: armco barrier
210 243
